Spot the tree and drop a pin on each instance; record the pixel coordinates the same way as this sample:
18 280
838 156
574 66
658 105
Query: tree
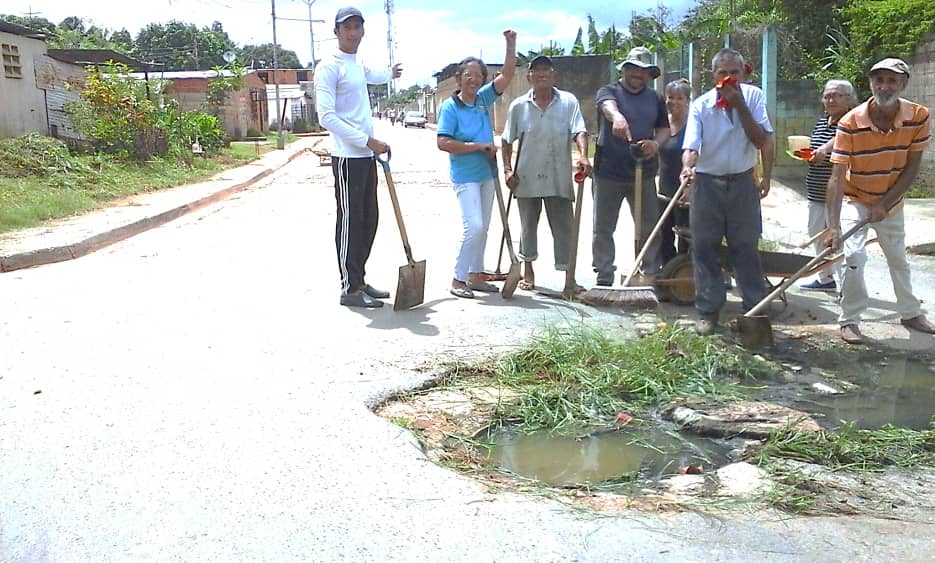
593 38
261 56
577 49
33 23
405 97
182 46
122 41
553 50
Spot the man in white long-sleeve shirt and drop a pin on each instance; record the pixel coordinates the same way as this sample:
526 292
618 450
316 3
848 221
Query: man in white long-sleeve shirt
344 109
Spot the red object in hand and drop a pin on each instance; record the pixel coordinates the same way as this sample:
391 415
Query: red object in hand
579 177
623 418
807 153
721 102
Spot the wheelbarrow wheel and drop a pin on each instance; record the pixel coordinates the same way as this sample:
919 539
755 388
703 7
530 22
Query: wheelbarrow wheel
677 280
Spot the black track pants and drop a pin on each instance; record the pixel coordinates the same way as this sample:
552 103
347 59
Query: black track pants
355 193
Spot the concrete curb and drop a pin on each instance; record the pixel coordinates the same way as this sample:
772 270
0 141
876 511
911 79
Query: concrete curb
94 243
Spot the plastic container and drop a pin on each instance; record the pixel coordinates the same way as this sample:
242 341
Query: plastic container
797 142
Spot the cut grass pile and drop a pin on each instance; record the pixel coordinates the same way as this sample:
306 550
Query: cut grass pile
848 451
852 449
579 377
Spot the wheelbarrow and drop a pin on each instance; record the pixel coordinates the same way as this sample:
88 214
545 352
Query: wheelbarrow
676 281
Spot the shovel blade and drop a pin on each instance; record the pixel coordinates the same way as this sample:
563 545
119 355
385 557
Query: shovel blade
755 331
512 280
410 291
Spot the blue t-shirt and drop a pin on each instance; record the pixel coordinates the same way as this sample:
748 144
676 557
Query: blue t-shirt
469 124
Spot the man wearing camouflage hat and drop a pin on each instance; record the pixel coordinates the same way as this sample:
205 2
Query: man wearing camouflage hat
630 112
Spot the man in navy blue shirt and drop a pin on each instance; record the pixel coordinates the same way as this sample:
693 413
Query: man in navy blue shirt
630 112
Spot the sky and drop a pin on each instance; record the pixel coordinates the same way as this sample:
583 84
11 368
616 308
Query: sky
427 35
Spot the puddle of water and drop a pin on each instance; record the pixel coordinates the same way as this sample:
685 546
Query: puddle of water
563 460
897 391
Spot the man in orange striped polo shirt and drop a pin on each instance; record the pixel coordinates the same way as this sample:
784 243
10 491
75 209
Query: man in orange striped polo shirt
877 152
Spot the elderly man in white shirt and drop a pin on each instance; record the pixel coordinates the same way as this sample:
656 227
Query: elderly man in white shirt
548 119
726 127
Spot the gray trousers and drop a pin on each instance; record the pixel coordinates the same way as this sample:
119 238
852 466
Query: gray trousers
608 196
561 215
726 207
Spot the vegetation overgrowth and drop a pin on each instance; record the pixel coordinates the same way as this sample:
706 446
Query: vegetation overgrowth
42 180
576 380
579 377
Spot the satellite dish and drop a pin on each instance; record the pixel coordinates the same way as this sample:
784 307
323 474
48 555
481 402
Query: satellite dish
229 56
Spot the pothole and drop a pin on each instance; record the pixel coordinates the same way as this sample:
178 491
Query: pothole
675 420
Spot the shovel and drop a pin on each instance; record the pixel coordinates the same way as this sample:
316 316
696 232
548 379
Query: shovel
512 278
570 285
498 275
637 153
410 290
655 232
755 329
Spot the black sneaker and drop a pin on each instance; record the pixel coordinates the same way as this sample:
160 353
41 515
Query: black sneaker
818 286
360 299
605 279
374 292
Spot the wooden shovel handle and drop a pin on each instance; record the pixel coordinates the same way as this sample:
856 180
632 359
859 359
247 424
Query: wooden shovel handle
399 215
519 150
758 308
652 236
815 237
569 290
503 217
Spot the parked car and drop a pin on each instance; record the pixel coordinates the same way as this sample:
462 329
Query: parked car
414 119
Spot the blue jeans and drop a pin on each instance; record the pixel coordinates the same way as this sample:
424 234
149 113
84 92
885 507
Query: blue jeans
726 207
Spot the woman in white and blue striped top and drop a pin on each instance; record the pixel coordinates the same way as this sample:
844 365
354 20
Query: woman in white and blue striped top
837 98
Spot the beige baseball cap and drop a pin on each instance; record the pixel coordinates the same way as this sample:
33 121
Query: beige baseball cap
898 66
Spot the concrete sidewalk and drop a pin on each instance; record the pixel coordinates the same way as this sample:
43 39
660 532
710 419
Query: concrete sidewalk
73 237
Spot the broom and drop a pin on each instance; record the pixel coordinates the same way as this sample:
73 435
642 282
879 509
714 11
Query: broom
627 297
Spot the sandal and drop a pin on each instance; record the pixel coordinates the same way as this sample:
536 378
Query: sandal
484 287
463 292
527 286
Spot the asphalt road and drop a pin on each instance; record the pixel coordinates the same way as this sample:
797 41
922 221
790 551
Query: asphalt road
197 393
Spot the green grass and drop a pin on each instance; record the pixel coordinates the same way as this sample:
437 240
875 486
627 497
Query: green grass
580 377
96 180
923 187
848 450
851 449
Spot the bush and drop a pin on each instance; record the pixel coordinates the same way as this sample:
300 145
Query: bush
118 114
300 126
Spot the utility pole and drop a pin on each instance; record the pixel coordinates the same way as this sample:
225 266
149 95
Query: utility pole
311 31
391 88
280 142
